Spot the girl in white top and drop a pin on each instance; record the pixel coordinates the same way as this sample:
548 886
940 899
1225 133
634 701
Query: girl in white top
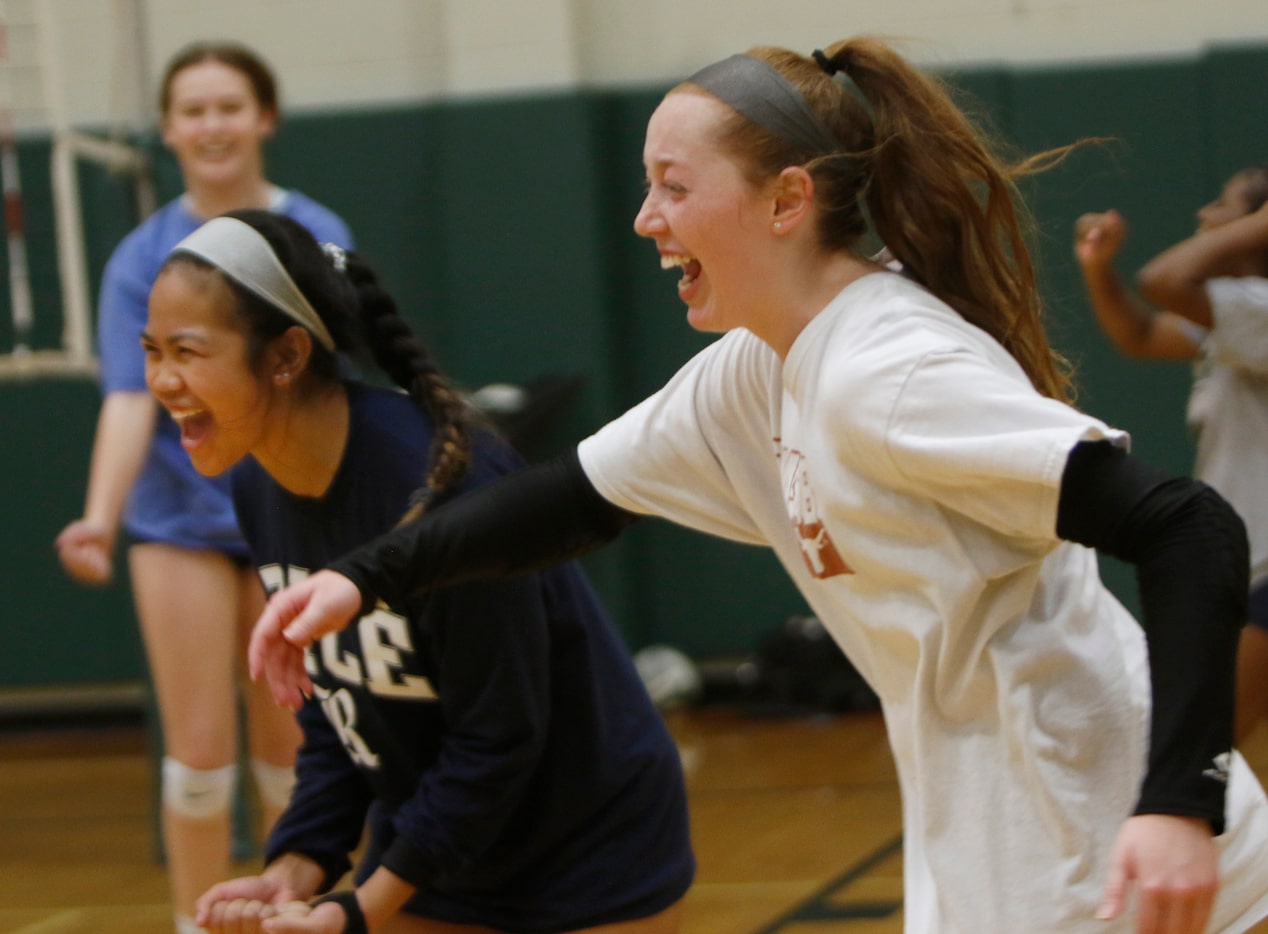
903 443
1205 300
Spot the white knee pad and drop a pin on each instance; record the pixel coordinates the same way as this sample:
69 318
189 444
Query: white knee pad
273 782
197 792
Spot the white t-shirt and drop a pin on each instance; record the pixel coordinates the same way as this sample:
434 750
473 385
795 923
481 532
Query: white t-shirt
1228 407
906 474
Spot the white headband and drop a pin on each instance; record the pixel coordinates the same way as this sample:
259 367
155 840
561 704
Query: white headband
239 251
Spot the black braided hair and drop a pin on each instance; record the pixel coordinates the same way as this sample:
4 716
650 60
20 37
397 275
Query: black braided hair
402 356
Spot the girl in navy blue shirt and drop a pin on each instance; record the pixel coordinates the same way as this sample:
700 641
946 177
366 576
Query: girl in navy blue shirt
515 775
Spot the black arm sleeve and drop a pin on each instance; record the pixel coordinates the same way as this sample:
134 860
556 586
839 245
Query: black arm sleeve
520 523
1192 568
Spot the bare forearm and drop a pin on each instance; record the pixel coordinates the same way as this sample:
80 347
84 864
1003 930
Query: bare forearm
1122 316
125 428
1176 278
296 873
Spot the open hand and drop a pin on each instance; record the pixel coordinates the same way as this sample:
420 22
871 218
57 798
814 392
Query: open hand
1172 863
242 906
294 618
322 919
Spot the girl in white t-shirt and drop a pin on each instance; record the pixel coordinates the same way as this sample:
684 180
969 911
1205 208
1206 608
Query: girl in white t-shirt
902 441
1205 299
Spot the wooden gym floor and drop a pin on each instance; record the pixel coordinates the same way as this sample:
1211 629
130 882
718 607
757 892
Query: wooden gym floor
795 820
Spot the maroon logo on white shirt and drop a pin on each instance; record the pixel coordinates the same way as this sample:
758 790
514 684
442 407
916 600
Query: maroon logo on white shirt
817 549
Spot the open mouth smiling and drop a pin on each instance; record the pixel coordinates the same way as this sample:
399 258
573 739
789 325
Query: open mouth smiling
690 267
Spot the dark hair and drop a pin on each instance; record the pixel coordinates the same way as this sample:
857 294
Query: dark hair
235 56
360 315
1256 186
916 170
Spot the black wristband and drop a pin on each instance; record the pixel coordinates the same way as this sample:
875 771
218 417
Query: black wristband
354 917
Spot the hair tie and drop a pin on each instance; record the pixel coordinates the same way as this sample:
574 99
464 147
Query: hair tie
828 65
337 255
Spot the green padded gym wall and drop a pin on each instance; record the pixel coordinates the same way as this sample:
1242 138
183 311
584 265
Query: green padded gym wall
504 228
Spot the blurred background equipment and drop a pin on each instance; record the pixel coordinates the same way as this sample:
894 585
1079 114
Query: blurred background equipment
524 413
671 678
797 669
32 93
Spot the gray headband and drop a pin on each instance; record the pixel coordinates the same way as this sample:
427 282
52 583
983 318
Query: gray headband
764 96
240 251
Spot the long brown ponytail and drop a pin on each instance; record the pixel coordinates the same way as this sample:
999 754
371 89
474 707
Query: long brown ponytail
917 170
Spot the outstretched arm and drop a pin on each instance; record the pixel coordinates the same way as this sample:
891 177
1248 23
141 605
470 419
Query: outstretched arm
1135 328
523 522
1176 278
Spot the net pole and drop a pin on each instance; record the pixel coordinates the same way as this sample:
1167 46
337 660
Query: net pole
15 240
15 228
72 264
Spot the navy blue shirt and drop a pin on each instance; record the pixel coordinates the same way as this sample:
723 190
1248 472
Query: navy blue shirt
512 763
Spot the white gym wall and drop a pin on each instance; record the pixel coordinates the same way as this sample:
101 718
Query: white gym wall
340 53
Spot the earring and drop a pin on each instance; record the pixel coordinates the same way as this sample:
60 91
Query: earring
777 225
283 378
